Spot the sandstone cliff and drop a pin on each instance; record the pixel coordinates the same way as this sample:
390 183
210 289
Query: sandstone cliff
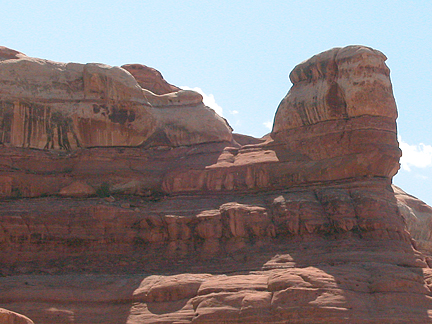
50 105
155 213
418 218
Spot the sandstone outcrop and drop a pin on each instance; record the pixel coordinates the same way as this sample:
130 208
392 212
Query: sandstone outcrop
418 217
150 79
341 105
8 317
192 224
77 189
50 105
359 142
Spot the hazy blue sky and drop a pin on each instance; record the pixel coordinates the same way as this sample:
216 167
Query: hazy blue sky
239 53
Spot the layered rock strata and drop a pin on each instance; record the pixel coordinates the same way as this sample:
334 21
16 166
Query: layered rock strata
50 105
189 223
359 141
341 107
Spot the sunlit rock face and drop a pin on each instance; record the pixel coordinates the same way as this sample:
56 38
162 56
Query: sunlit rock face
150 79
126 200
50 105
8 317
341 106
418 218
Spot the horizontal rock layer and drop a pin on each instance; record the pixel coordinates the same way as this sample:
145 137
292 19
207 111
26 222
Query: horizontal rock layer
341 104
337 252
193 227
345 293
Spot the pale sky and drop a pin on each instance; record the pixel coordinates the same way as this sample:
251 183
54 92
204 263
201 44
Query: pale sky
239 53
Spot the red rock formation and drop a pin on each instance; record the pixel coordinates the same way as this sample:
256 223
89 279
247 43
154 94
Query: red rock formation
195 225
70 106
340 112
150 79
9 54
418 217
8 317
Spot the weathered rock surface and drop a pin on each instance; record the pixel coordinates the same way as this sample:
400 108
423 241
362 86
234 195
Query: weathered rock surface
77 189
8 317
196 225
50 105
341 112
418 217
8 54
150 79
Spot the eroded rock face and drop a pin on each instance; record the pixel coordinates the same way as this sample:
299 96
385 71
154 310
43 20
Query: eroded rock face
418 217
68 106
50 105
337 84
150 79
326 253
8 317
8 54
182 224
341 106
